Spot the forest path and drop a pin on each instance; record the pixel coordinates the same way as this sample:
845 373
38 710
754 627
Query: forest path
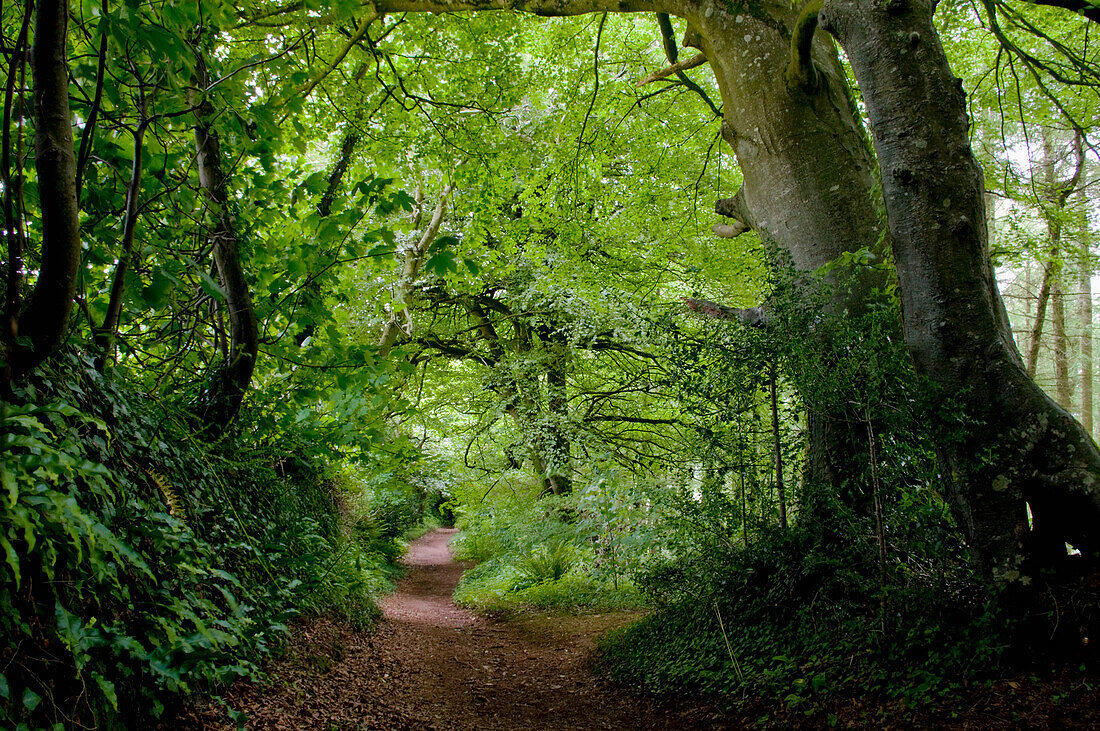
432 665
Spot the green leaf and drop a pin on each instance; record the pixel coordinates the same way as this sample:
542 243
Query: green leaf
12 558
441 263
108 689
31 699
211 287
157 290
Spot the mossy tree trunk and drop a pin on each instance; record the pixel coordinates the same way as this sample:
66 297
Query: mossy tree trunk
1018 445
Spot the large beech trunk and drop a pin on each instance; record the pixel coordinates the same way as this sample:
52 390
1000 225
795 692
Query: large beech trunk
45 319
811 212
1024 447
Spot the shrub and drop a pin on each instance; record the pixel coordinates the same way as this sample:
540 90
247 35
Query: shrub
140 563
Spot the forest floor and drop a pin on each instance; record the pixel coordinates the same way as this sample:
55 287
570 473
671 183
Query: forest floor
433 665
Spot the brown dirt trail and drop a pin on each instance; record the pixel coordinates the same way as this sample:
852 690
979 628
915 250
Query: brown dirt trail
432 665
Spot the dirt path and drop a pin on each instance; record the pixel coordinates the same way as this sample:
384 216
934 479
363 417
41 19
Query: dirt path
432 665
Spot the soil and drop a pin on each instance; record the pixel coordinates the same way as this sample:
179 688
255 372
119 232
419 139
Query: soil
433 665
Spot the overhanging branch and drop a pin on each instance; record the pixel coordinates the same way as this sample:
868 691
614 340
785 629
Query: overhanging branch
751 316
677 68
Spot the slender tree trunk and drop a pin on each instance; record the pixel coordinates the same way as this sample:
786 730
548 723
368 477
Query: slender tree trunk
410 270
1062 385
13 225
1084 306
1056 194
230 378
312 290
1033 344
955 323
106 333
45 319
557 402
778 450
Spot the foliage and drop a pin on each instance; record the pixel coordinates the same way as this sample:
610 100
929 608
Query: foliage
861 578
141 564
803 620
554 552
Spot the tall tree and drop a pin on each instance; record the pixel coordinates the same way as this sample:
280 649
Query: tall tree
231 374
955 323
1085 271
45 318
808 189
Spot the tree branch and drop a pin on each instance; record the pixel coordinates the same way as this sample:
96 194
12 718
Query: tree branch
546 8
751 316
801 74
677 68
1084 8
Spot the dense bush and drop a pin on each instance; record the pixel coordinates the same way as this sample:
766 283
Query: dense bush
802 617
141 563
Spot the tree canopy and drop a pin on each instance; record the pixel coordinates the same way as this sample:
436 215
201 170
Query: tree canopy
755 256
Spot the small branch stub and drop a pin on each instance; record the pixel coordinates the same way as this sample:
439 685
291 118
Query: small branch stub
726 231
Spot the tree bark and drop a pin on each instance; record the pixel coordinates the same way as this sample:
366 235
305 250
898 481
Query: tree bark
557 402
1084 305
410 271
45 319
1041 301
311 293
955 323
1062 387
106 333
230 378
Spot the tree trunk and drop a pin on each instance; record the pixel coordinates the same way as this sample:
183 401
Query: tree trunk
311 293
809 213
414 258
1062 386
230 378
45 319
106 333
955 323
1084 305
1041 302
557 402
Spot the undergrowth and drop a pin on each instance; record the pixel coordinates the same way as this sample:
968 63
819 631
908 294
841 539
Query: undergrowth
806 616
141 564
557 552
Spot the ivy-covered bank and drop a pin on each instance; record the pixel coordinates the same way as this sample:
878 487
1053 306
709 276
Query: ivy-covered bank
142 564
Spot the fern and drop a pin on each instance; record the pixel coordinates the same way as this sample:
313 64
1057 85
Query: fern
171 496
